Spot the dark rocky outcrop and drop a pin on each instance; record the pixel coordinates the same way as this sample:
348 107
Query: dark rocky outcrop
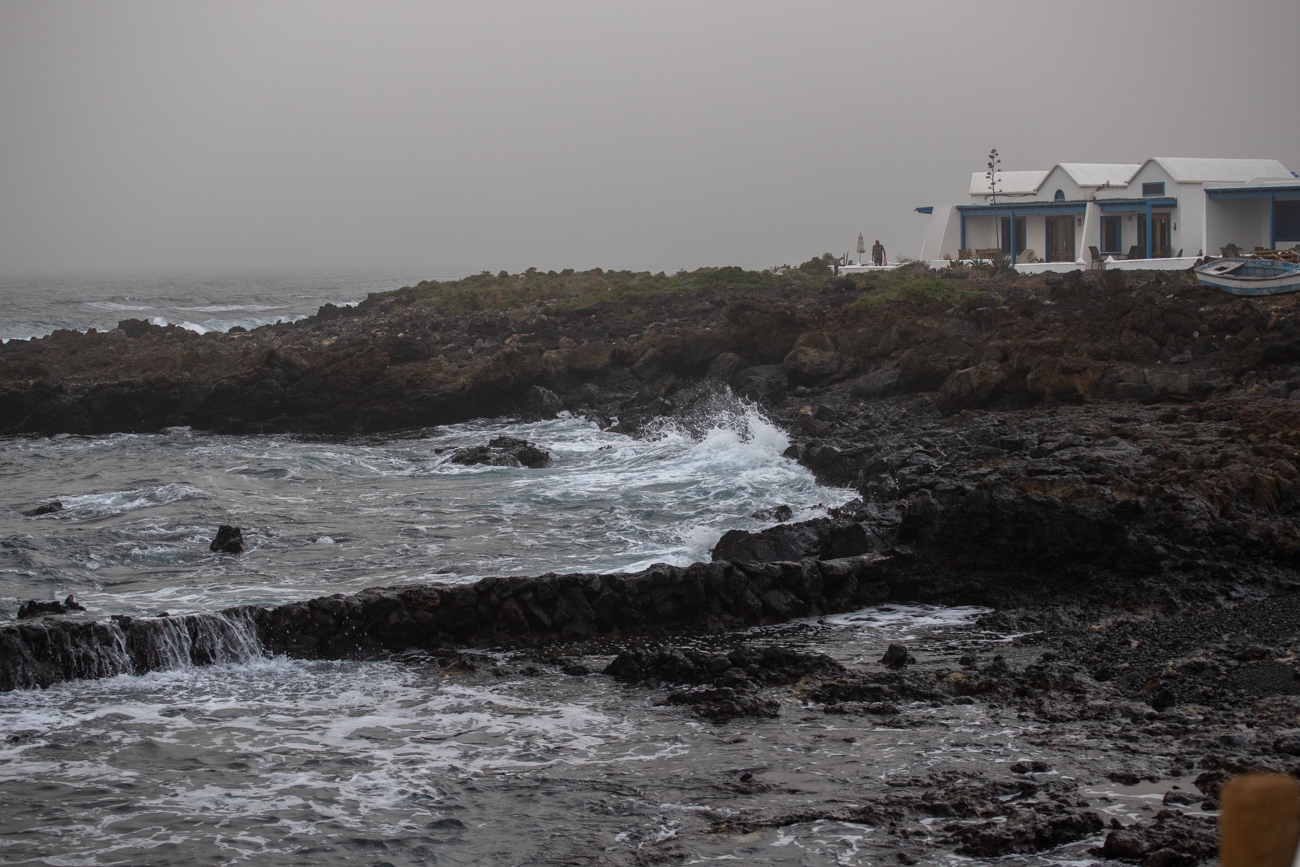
393 362
229 540
44 509
503 452
52 649
41 607
745 665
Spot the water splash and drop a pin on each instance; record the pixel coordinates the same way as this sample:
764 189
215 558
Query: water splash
46 651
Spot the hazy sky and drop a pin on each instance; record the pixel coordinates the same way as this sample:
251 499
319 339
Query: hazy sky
145 136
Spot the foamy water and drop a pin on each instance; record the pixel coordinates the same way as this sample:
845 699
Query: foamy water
322 517
500 759
512 762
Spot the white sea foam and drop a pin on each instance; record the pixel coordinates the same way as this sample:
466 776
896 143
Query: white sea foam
396 508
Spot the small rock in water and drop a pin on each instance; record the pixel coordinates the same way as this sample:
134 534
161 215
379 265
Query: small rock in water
48 508
896 656
776 513
39 607
229 540
503 452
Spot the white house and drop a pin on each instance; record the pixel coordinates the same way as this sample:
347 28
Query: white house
1138 213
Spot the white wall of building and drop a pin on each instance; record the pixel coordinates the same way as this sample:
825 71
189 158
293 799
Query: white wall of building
943 234
981 233
1036 234
1059 179
1244 222
1185 220
1198 226
1090 234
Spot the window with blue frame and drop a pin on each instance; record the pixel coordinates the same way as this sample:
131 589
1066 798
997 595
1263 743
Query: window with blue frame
1156 188
1059 197
1006 235
1112 234
1286 221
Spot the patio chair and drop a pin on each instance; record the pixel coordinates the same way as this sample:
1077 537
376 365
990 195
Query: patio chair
1097 258
1136 252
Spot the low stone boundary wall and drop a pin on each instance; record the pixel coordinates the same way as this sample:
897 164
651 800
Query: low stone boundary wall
491 612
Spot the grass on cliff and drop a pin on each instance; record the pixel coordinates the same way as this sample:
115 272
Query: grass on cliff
568 289
921 289
573 290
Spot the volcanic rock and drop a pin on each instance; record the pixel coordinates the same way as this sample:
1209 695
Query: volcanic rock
896 656
40 607
229 540
503 452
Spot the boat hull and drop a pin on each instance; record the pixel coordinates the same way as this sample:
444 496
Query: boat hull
1250 276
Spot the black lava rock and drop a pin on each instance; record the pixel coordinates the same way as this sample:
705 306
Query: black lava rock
765 665
503 452
41 607
724 704
48 508
896 656
229 540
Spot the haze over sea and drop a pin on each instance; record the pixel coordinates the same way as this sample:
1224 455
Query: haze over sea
37 305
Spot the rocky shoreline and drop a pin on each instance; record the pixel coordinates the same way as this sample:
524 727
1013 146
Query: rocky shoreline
1110 466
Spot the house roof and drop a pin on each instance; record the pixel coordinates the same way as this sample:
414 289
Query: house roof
1259 183
1009 183
1100 174
1192 170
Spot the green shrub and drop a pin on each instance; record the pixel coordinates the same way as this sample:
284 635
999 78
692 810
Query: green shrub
819 266
924 290
729 275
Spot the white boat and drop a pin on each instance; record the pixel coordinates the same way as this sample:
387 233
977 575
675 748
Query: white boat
1250 276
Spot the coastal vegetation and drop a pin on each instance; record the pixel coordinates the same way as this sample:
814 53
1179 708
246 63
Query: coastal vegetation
573 290
570 289
915 285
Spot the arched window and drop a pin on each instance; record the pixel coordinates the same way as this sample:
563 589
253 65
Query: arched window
1060 196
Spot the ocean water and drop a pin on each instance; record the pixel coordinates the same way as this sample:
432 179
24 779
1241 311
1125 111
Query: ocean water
323 516
37 305
500 759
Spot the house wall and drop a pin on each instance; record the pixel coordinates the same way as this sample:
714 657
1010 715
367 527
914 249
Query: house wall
1244 222
1090 234
981 233
1059 179
943 234
1036 234
1188 219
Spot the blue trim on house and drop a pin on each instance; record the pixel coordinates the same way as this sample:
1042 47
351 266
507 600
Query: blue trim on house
1137 204
928 209
1022 207
1255 192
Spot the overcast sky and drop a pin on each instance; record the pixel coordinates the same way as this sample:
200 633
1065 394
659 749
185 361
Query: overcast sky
144 136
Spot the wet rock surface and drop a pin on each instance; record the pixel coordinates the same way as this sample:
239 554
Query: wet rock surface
41 607
503 452
229 540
